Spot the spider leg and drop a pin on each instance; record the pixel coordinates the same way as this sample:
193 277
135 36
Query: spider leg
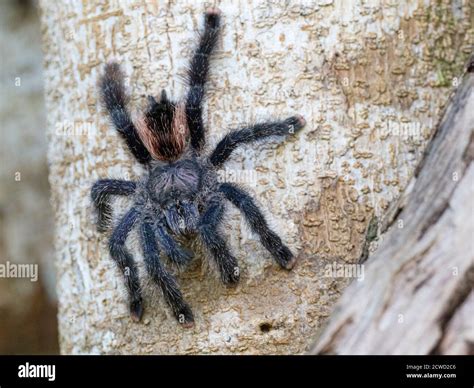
258 224
176 253
197 77
160 276
253 133
212 239
115 99
126 263
100 192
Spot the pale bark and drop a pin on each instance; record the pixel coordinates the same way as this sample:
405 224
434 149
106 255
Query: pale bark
355 71
417 294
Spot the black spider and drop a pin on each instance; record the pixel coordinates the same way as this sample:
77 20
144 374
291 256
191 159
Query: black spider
180 197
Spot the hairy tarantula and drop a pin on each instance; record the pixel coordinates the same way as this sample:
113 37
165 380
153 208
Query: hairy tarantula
180 197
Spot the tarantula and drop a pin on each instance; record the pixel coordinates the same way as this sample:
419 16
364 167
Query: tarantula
180 197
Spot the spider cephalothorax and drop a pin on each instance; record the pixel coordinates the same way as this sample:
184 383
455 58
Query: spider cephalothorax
180 197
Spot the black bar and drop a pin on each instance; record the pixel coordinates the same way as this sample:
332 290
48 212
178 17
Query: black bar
317 371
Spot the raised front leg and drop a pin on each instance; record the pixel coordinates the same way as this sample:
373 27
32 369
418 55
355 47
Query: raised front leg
254 133
100 193
258 224
163 279
197 77
115 100
126 263
213 241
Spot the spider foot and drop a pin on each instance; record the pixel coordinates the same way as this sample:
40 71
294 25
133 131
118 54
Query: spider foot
185 317
230 275
285 258
212 17
295 123
136 310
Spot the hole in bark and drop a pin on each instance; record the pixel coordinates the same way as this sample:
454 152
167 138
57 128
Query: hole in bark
265 327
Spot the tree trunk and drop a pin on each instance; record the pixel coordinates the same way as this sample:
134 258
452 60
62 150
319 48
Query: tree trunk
417 295
370 79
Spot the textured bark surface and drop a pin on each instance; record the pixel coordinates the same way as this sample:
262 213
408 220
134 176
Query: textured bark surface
417 296
357 72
